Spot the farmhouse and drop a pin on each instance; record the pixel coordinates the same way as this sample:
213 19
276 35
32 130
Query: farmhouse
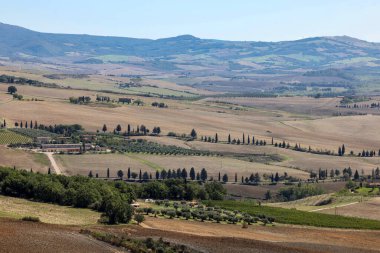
43 139
64 147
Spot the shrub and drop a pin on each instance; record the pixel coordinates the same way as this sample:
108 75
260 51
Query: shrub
139 218
31 218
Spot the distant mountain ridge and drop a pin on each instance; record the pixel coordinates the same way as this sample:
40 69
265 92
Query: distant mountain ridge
15 40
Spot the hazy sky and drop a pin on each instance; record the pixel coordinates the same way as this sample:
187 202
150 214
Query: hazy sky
265 20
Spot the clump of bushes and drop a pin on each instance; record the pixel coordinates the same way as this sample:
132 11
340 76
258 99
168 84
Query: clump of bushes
31 218
111 198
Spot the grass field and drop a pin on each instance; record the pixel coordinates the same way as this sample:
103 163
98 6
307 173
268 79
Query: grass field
9 137
293 216
23 160
48 213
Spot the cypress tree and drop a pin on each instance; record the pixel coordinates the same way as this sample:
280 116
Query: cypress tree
157 174
229 140
192 173
108 172
129 173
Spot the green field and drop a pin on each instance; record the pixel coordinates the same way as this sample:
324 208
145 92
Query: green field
296 217
9 137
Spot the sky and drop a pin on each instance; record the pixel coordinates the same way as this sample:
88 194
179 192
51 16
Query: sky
243 20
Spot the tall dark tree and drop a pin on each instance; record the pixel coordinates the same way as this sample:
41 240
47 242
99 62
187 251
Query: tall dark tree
203 174
219 176
104 129
140 175
184 173
192 173
118 128
157 174
248 140
243 138
129 173
225 178
356 175
164 174
193 134
229 140
90 174
276 177
49 171
236 178
343 149
31 124
145 176
129 129
108 172
216 138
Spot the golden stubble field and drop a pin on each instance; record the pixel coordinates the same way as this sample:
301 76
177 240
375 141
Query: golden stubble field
356 132
288 119
98 163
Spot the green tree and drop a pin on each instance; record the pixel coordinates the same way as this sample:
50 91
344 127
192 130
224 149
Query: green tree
193 134
120 174
117 209
139 218
104 129
225 178
203 174
12 89
192 173
118 128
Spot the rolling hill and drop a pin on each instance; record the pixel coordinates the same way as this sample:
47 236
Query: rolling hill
192 61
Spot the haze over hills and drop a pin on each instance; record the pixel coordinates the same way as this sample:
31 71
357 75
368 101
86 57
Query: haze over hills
186 56
16 40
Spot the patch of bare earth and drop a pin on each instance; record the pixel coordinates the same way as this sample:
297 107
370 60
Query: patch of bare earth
20 236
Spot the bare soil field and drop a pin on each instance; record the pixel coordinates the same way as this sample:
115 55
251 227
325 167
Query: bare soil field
22 236
367 209
282 238
23 159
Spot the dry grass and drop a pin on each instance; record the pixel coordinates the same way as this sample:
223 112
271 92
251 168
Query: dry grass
368 209
338 240
48 213
23 159
98 163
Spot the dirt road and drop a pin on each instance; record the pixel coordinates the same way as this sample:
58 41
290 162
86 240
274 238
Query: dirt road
53 163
